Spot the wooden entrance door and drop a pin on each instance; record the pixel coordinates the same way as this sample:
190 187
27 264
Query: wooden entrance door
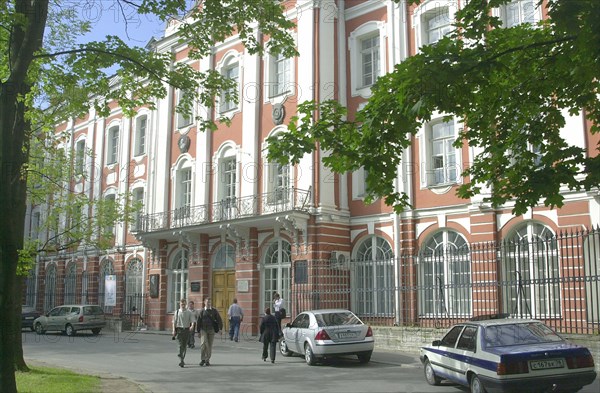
223 293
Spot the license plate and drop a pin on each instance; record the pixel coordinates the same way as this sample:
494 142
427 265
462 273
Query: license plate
347 334
546 364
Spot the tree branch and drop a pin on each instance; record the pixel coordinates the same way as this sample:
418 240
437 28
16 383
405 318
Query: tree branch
521 48
96 50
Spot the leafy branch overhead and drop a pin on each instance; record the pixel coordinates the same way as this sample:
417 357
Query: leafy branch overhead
512 88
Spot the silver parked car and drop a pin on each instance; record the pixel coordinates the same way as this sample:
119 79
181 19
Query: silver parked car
71 318
319 334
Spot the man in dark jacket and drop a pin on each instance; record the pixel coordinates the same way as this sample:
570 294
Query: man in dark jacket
269 334
209 322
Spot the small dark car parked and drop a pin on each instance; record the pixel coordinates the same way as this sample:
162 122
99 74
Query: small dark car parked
28 315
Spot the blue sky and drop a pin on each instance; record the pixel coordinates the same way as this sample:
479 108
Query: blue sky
109 19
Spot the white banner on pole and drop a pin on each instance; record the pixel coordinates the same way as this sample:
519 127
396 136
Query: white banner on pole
110 290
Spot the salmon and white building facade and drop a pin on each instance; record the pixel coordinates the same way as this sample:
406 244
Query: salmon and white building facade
220 220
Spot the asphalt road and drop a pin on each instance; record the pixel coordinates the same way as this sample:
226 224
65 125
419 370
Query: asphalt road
150 359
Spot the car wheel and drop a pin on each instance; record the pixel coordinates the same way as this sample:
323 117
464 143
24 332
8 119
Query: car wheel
32 328
476 386
39 329
284 349
364 357
430 376
309 356
69 330
96 331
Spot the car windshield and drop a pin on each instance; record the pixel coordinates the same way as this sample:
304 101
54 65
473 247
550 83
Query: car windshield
337 319
519 334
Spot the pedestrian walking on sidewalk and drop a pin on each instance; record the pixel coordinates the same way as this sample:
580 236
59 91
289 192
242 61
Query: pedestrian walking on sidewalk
278 308
235 314
269 335
209 323
182 324
192 340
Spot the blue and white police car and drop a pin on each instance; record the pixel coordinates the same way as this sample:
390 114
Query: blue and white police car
497 354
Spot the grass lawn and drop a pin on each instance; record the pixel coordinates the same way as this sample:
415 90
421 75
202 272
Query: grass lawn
54 380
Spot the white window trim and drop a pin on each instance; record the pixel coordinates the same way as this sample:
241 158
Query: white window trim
172 276
112 192
108 143
185 161
500 12
138 185
269 77
269 167
136 134
425 9
424 138
82 138
354 40
230 58
186 128
225 151
358 184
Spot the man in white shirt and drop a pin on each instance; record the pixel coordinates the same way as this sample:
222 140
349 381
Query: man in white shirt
278 307
182 324
235 314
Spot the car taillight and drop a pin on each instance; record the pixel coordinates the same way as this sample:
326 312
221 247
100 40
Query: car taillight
580 361
322 335
369 332
509 368
81 318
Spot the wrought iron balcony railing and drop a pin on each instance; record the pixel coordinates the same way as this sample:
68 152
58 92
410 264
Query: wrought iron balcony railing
278 201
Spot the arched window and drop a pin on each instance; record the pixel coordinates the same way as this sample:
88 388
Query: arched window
276 272
71 284
530 272
373 277
226 185
178 278
444 267
106 269
50 290
183 194
224 257
134 287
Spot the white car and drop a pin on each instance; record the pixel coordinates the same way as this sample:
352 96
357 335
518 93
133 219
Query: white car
71 319
320 334
507 355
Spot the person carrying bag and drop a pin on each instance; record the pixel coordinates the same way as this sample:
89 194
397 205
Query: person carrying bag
209 323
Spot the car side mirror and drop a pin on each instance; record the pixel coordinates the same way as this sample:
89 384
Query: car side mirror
288 325
436 343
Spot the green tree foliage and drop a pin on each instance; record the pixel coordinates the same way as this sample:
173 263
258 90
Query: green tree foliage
47 77
510 86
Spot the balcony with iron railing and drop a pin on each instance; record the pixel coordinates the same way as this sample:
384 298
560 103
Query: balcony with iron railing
281 200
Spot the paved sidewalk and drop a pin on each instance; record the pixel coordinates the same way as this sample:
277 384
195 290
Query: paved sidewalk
380 355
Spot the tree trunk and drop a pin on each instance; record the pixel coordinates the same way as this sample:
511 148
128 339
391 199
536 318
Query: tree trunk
25 40
20 364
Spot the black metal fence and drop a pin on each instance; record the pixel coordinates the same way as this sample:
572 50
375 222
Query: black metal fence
120 295
555 279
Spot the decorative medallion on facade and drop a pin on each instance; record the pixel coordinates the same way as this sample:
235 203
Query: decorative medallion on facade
278 114
184 143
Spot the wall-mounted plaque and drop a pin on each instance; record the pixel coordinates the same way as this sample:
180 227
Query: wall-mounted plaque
195 286
154 285
243 286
